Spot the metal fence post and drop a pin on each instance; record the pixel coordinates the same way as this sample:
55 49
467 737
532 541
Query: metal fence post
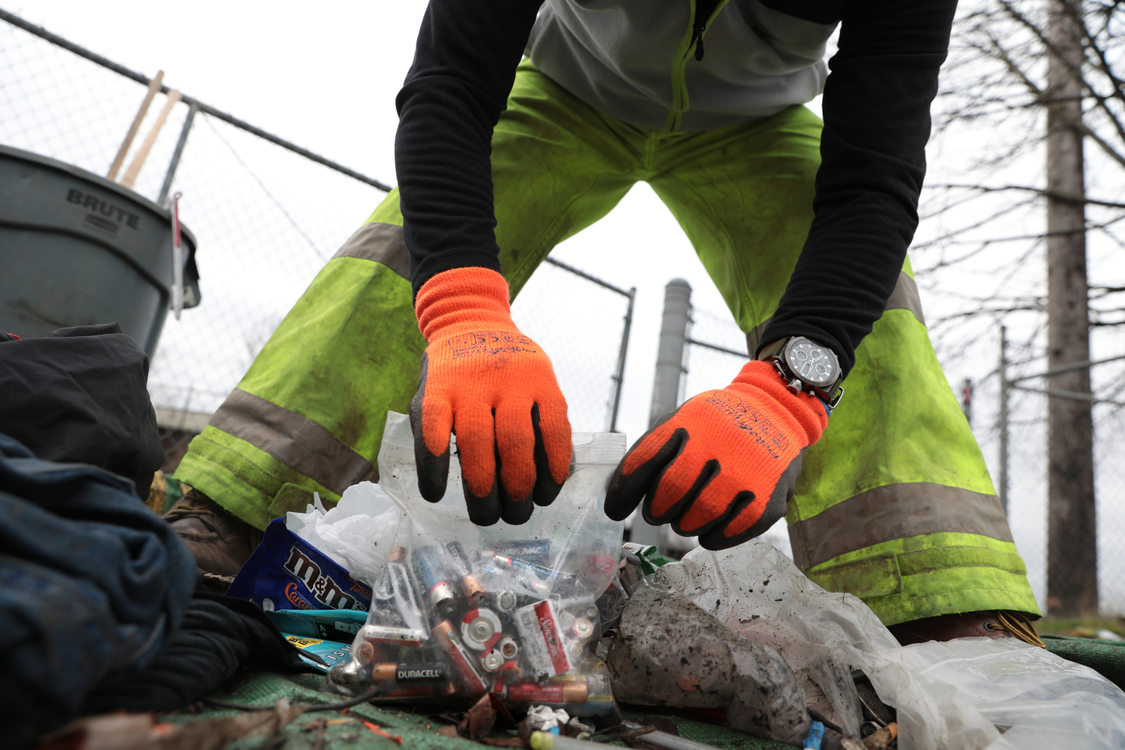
619 372
670 352
1003 426
177 154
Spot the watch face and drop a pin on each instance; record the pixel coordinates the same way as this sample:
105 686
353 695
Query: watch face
812 363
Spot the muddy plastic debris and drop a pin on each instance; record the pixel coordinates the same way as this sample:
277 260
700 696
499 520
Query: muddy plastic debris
669 652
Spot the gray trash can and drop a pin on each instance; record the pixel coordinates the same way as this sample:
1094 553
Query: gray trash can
78 249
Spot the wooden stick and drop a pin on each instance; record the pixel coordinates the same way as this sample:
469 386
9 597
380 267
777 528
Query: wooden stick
142 153
153 87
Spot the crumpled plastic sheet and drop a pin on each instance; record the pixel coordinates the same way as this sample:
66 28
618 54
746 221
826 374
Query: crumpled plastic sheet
357 532
971 693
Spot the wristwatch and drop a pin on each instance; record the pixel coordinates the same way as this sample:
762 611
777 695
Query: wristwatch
808 367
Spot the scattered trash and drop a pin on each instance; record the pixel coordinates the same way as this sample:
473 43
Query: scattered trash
960 693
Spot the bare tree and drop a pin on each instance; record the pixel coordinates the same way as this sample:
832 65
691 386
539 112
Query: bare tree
1030 140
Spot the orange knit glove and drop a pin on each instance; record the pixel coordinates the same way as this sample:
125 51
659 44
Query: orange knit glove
723 465
495 389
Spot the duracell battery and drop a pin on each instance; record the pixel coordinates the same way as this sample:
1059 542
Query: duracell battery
549 692
471 587
449 640
430 568
407 673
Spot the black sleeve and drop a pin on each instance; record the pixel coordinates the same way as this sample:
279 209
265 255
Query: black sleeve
876 124
464 66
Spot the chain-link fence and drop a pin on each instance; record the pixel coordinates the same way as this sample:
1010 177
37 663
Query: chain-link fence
265 215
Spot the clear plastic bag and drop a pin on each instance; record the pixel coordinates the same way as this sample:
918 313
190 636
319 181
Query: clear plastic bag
460 610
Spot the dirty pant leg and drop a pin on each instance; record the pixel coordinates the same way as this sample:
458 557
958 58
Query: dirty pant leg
894 503
309 414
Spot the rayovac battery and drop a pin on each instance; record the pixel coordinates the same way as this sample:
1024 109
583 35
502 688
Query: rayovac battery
460 657
480 628
429 566
532 550
405 672
471 587
508 561
394 636
549 692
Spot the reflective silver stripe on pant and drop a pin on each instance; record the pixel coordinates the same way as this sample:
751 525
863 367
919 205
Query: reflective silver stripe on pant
896 511
299 443
904 297
380 242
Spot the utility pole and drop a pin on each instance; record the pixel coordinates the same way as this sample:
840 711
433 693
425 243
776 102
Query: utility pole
1072 553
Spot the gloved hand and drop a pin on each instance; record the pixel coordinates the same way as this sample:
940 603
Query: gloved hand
496 390
723 465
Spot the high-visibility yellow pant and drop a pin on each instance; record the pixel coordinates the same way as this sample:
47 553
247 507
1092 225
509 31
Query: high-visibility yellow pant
894 503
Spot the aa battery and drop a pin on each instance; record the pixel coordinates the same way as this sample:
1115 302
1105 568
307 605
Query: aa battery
416 691
406 672
508 647
430 568
507 601
577 617
491 660
403 595
480 628
549 692
460 657
364 652
533 550
471 587
581 628
393 636
510 672
510 562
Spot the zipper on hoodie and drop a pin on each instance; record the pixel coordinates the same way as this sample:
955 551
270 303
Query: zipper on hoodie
702 13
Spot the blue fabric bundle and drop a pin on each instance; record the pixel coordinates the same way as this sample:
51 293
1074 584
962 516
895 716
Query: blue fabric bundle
94 583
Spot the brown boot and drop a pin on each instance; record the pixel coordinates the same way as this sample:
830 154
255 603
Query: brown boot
998 624
220 541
